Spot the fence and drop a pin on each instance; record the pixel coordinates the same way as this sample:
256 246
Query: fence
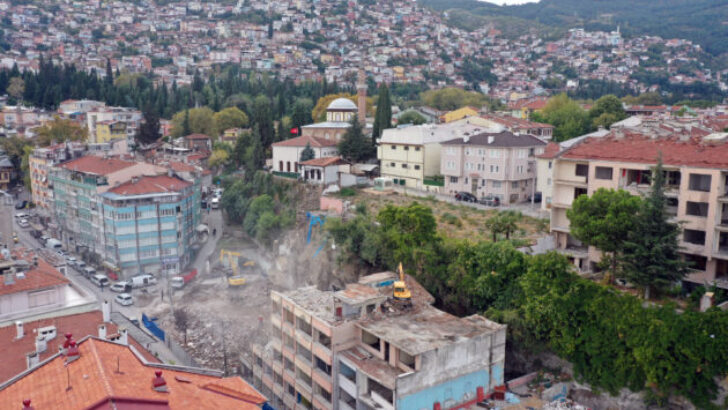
156 330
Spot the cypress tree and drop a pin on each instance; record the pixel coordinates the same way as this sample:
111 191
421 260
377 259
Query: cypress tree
383 116
186 130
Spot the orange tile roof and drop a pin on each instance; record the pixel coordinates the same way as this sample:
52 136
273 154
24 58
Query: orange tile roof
551 150
181 166
109 372
92 164
306 139
150 185
642 149
323 162
38 277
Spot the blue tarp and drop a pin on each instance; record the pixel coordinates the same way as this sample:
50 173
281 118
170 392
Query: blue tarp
156 330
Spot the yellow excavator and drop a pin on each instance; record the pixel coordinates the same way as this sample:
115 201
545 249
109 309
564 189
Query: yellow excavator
402 295
234 279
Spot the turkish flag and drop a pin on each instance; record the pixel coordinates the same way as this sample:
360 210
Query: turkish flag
294 130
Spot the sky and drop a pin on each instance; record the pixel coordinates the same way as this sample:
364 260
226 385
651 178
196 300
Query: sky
510 2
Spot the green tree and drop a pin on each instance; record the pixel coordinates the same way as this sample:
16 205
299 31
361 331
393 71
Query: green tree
607 108
201 121
567 117
301 114
406 231
16 89
383 116
411 117
263 120
254 155
353 145
307 153
605 220
148 130
109 79
651 252
505 222
448 99
60 130
231 117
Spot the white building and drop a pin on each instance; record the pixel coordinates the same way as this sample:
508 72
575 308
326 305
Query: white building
287 154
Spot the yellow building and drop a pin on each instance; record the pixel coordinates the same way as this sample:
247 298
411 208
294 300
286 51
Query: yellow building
109 130
458 114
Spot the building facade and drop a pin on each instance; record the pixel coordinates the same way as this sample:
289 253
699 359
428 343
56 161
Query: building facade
149 224
500 164
355 349
40 162
287 154
696 173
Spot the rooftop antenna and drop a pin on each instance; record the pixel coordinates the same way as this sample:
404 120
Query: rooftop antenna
68 378
118 366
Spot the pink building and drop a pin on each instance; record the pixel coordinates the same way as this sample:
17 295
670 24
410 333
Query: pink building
500 164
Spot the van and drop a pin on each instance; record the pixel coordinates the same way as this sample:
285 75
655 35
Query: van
215 203
143 280
88 272
100 280
54 244
80 265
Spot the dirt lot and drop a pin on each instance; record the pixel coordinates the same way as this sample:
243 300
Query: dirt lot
453 220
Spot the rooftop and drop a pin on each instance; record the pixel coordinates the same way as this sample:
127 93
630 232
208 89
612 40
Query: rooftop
111 375
197 137
504 139
42 276
92 164
301 141
342 104
323 161
157 184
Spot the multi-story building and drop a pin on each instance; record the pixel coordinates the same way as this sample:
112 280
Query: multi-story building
76 187
501 164
696 172
410 155
149 224
39 163
110 130
129 116
356 349
7 169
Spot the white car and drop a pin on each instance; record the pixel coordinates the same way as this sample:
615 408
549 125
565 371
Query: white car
71 260
22 215
121 286
23 223
124 299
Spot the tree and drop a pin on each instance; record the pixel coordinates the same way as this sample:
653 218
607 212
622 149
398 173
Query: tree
148 131
263 120
16 88
383 116
567 117
181 321
254 155
353 145
109 79
218 158
405 230
307 153
607 110
231 117
448 99
411 117
505 222
651 253
60 130
605 220
201 121
301 114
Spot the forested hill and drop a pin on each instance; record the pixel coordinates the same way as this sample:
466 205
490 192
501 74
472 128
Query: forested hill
705 22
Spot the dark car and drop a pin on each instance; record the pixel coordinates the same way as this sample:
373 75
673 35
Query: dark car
490 200
465 196
21 204
536 197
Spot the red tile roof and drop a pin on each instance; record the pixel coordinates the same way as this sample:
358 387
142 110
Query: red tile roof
641 149
181 166
38 277
150 185
323 162
197 137
551 150
109 372
306 139
92 164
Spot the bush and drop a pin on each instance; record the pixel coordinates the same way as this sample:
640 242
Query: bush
346 192
451 219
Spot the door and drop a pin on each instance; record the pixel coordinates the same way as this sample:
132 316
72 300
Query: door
474 187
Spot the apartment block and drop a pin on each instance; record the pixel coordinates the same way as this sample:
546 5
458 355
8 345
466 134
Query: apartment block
357 349
696 174
149 224
39 163
501 164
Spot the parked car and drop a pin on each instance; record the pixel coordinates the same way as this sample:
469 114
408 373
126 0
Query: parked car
80 265
22 215
536 197
465 196
88 272
121 286
215 203
490 200
124 299
70 259
101 281
143 280
23 223
21 205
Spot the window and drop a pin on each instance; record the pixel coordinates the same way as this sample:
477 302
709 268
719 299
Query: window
550 164
450 150
672 178
519 169
417 167
548 181
579 192
41 298
700 182
468 166
514 184
450 164
522 153
582 170
694 236
495 153
392 164
453 180
493 169
417 148
467 151
481 151
404 166
496 184
604 173
697 208
696 262
394 147
406 148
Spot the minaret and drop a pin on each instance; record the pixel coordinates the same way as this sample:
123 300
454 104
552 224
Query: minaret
361 92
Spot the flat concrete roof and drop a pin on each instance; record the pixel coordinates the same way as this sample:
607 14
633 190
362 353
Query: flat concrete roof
317 303
426 328
373 367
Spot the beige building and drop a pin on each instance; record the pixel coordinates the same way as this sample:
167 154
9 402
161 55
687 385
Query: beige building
696 171
411 155
355 349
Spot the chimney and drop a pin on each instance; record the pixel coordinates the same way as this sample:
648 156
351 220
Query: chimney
26 405
124 337
32 359
66 344
19 329
158 382
361 92
490 139
466 138
40 344
134 180
102 332
106 311
72 354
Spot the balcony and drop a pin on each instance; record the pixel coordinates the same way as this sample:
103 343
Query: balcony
348 385
303 338
323 352
303 364
320 402
304 389
350 405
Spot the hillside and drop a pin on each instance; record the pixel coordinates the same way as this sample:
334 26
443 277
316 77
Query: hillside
705 22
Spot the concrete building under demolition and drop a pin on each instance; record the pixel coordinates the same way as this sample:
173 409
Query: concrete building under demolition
358 348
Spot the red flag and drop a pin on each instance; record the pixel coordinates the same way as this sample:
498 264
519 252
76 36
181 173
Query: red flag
294 130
